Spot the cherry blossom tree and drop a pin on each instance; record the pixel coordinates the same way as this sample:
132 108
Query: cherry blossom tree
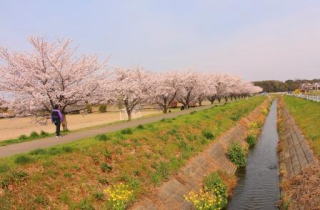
203 88
131 87
49 75
189 84
211 87
165 89
221 82
2 104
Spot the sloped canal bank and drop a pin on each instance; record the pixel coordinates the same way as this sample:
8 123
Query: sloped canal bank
258 186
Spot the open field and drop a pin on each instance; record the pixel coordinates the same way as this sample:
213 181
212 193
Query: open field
307 116
14 127
86 167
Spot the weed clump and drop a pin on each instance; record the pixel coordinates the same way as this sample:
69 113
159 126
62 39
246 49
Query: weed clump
41 200
13 176
105 167
102 137
212 196
208 134
54 151
38 152
34 134
44 134
67 149
103 181
251 140
99 196
23 137
126 131
85 205
237 155
4 168
140 127
23 159
103 108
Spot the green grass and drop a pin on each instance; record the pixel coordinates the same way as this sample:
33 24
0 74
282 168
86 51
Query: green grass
142 157
237 155
307 115
251 140
23 138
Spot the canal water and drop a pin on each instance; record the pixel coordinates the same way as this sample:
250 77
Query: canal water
258 186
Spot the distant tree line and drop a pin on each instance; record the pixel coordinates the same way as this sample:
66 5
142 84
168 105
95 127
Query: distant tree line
279 86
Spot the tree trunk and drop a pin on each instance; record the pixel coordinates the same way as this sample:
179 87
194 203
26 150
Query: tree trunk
129 115
200 102
165 109
64 123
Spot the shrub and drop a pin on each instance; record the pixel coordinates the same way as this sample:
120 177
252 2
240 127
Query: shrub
207 134
84 205
212 196
118 196
89 108
43 133
54 151
38 152
140 127
4 168
126 131
105 167
34 134
251 140
23 159
23 137
67 149
19 175
107 154
99 196
203 200
103 181
41 200
102 137
67 175
214 183
237 155
103 108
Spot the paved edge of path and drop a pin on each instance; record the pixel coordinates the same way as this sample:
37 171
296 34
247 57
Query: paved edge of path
24 147
295 154
170 194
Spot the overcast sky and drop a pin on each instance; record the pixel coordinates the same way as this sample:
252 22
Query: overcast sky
255 39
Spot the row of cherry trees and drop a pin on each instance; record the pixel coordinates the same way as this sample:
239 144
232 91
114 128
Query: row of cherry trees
53 74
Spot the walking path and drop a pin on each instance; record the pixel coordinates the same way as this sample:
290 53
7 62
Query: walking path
13 149
170 195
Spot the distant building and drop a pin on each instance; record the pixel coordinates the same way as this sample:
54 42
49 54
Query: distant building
305 87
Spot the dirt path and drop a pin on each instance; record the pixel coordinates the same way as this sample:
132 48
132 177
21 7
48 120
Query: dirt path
52 141
170 194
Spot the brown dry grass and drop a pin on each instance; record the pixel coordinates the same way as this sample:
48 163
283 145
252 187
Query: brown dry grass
303 189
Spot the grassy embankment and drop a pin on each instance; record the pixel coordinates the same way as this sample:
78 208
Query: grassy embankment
77 121
307 116
75 175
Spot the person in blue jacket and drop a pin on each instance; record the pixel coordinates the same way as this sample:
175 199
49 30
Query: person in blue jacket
57 118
